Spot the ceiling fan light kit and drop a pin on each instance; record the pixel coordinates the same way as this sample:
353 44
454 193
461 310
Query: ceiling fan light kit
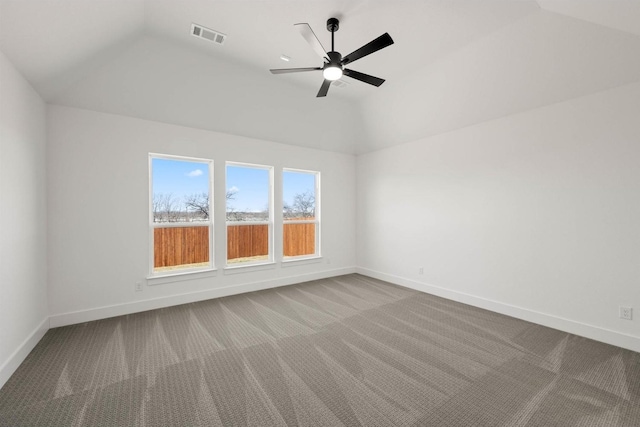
332 73
333 67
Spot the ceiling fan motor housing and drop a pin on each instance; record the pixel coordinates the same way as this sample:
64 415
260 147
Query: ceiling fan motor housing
335 59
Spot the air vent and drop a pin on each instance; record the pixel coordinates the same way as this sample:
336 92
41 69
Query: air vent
207 34
340 83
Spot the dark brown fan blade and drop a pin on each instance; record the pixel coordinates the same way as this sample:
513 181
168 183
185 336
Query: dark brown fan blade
324 88
376 81
293 70
373 46
310 37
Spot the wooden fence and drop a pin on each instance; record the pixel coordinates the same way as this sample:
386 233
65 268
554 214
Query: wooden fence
190 245
247 240
299 239
180 245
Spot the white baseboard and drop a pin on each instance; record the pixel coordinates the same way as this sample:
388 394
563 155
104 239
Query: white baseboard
566 325
97 313
10 365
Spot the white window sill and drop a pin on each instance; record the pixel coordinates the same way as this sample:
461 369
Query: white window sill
247 268
292 262
180 276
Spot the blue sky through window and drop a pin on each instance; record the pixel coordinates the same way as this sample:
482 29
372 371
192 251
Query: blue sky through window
297 183
250 187
179 177
182 178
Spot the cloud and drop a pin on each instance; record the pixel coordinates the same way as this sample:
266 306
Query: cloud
194 173
233 189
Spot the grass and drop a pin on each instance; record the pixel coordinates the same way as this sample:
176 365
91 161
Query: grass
233 261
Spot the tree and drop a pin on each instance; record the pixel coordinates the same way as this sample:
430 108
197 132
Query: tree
165 208
199 204
303 206
232 214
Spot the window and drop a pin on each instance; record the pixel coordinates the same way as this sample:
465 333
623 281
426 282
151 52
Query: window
249 214
301 228
181 223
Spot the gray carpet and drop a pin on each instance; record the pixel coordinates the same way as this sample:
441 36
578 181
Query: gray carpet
343 351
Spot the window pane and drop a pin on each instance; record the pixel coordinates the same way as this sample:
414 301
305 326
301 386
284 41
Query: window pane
299 239
247 193
180 194
299 190
248 201
299 194
180 190
177 248
247 243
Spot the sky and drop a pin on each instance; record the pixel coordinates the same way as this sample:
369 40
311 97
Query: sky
296 183
251 185
180 178
251 188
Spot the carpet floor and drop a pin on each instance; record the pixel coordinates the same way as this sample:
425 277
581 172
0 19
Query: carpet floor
344 351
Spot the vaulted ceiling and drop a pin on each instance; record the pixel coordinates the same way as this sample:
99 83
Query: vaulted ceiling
454 63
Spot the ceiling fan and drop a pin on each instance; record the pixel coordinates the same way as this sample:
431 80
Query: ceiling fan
334 63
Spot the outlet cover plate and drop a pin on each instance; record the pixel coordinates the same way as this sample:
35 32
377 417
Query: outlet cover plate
626 313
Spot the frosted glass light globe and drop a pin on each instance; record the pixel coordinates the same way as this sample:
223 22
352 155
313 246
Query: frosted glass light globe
332 73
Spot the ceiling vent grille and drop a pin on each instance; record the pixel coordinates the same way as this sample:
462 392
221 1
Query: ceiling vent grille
340 83
207 34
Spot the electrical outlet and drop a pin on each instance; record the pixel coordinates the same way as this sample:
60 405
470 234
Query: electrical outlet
138 287
626 313
421 270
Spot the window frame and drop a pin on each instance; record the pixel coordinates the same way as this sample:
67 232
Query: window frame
270 223
153 225
316 220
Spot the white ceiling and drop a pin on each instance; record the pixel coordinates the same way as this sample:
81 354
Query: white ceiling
454 62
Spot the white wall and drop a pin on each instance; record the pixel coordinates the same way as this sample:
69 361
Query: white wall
490 77
98 212
23 288
536 215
